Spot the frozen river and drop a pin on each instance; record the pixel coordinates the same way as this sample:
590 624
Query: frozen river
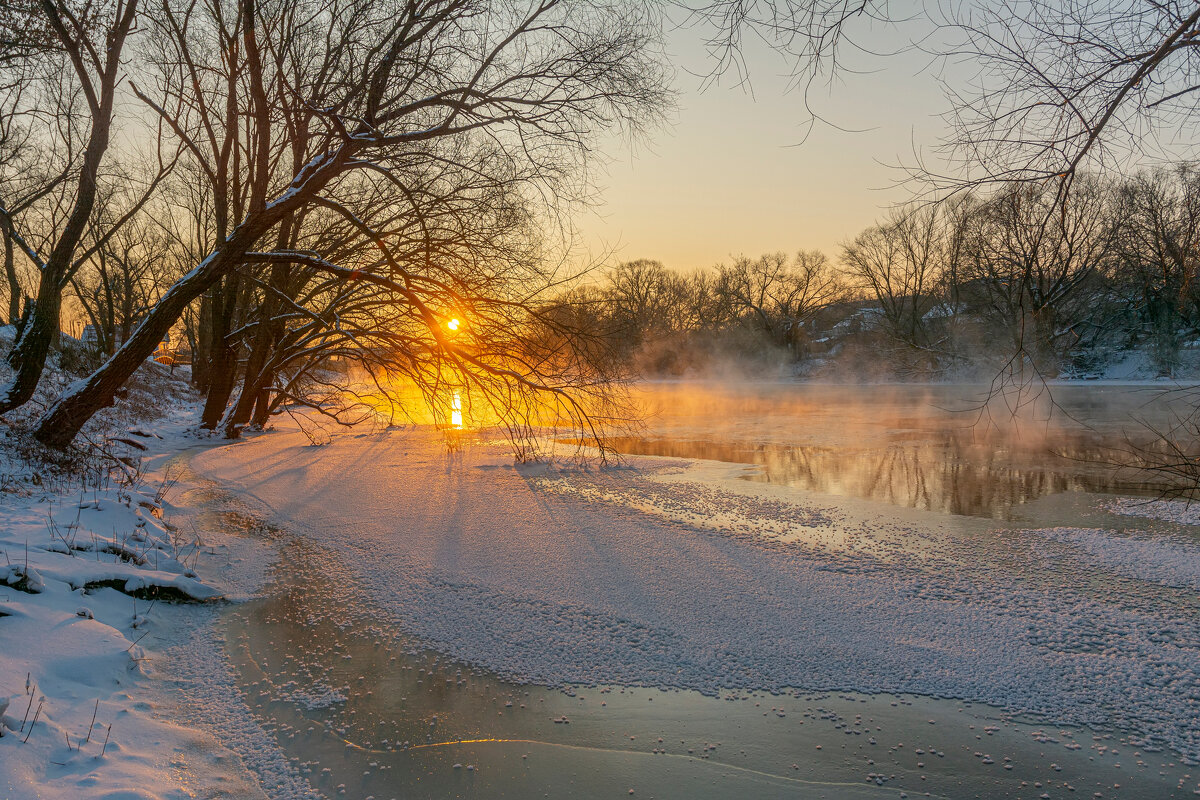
864 595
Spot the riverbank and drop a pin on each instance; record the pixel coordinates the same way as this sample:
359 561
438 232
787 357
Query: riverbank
108 576
771 631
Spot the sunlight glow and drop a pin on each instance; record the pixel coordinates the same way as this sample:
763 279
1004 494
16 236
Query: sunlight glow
456 417
453 324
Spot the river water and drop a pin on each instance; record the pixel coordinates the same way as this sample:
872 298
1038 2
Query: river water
355 695
967 450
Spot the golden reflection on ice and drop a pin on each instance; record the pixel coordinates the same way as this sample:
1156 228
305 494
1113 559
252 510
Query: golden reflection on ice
456 416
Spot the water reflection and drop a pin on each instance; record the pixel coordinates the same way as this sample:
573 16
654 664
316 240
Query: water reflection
948 477
934 448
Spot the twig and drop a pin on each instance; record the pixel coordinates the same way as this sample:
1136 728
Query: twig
135 641
27 707
92 726
106 735
36 715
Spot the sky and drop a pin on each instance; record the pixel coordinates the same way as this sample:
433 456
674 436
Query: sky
739 172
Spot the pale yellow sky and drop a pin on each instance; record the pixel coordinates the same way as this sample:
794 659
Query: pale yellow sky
733 174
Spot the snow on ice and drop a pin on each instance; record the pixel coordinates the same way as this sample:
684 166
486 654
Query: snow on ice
674 574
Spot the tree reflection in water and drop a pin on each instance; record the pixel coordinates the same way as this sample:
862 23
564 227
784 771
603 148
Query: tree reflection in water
949 476
929 447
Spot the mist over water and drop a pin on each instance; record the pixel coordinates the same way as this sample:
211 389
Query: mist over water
966 449
946 448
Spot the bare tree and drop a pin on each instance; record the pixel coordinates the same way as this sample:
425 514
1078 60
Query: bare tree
901 263
375 91
1157 239
778 295
646 296
1037 272
1040 91
464 229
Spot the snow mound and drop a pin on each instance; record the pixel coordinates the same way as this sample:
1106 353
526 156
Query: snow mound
91 565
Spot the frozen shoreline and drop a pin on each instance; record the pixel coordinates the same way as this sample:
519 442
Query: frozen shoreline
664 574
93 641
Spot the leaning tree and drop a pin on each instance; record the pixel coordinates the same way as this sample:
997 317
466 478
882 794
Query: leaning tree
310 99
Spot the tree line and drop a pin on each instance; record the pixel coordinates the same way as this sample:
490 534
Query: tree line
301 190
1011 280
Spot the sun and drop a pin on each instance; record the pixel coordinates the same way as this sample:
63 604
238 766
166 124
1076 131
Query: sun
453 324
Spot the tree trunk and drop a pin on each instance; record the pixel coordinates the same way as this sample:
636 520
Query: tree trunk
201 353
220 388
1045 348
262 406
10 274
239 415
60 424
222 374
30 350
267 336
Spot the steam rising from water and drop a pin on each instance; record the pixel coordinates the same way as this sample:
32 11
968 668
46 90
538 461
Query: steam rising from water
948 448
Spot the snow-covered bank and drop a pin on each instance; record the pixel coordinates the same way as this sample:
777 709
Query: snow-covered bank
681 575
104 578
112 571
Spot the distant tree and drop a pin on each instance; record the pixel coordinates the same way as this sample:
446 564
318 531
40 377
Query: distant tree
778 294
1157 249
646 297
902 264
1038 274
124 276
706 303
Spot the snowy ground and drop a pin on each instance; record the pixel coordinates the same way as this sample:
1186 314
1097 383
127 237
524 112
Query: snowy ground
660 573
108 586
672 574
